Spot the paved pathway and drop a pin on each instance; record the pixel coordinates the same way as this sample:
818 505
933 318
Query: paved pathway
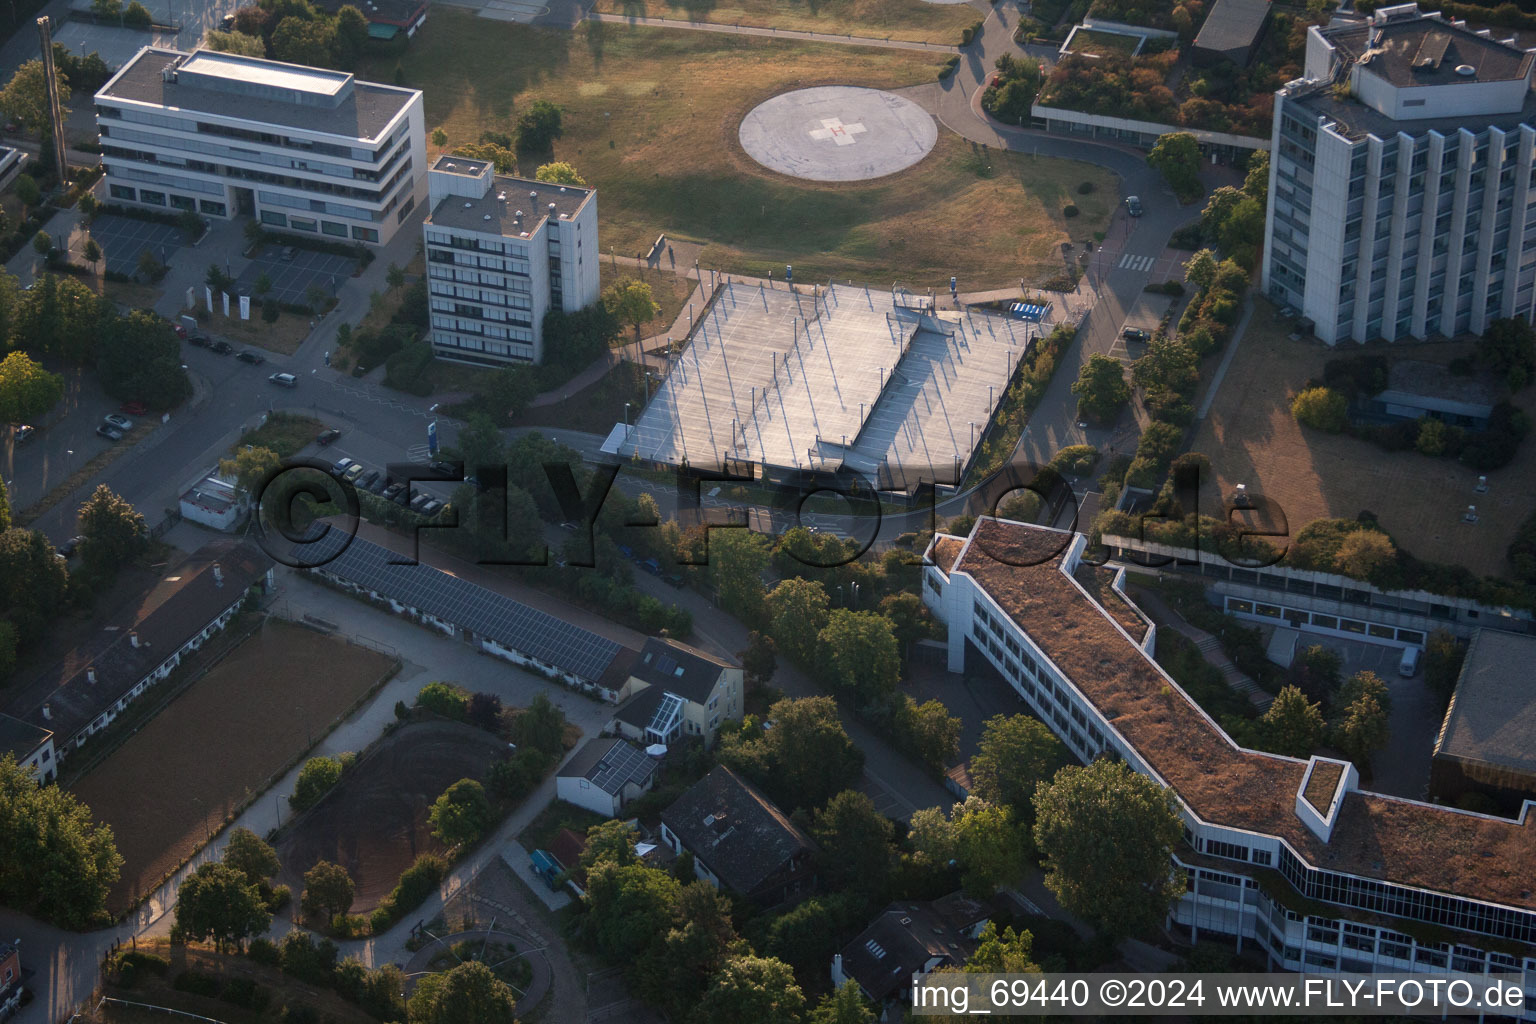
772 33
1208 646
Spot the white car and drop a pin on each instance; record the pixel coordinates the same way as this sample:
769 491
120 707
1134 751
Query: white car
119 421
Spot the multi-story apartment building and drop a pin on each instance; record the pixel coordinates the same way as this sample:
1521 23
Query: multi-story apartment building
1292 855
301 149
502 252
1401 178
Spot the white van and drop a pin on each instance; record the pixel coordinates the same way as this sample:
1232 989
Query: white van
1409 666
286 380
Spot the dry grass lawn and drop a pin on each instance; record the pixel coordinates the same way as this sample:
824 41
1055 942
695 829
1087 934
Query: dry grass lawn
651 119
670 292
880 19
1252 439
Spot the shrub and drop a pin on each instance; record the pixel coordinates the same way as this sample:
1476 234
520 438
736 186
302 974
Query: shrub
1070 210
316 778
304 958
948 67
297 1013
417 882
1086 188
133 967
247 993
444 699
380 920
264 952
1321 409
136 15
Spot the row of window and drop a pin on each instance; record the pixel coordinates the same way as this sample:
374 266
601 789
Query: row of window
1319 620
153 197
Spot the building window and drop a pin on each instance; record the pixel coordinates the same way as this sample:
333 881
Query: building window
303 224
211 208
124 192
330 227
153 198
183 202
365 234
274 218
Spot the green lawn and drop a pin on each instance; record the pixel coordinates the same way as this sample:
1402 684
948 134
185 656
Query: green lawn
880 19
651 119
1088 41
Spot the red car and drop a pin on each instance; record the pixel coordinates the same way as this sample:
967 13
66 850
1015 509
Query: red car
135 408
181 332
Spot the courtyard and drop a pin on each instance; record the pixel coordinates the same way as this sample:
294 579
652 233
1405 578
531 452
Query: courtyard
293 279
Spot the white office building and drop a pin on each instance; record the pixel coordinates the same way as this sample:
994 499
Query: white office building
1400 179
1292 856
502 252
301 149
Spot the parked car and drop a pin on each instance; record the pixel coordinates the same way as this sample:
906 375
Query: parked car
220 348
380 485
288 253
419 502
69 547
196 340
119 421
341 467
359 370
325 437
431 508
353 472
284 380
134 408
394 491
1133 205
403 499
676 580
446 468
1136 334
367 480
248 356
21 432
652 566
110 433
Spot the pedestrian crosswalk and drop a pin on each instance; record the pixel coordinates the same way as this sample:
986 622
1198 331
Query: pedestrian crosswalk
1138 263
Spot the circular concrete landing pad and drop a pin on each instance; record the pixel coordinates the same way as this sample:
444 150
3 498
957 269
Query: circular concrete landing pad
838 133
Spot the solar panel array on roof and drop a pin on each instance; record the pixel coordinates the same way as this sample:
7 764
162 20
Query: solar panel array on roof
488 614
623 763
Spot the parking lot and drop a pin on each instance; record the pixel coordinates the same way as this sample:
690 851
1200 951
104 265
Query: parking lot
124 239
292 279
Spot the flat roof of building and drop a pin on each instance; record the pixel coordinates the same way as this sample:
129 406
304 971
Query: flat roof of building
1430 51
848 377
1492 719
1373 836
344 107
1232 24
513 206
1432 380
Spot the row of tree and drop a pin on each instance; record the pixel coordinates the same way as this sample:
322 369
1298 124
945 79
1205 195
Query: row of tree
297 32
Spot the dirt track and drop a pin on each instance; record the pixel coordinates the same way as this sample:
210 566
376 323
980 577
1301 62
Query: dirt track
374 823
170 786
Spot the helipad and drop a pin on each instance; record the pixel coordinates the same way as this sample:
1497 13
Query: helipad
838 133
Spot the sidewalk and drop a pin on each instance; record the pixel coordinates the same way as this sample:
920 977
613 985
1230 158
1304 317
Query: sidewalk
772 33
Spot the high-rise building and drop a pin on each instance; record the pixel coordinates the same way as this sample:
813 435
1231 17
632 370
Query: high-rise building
301 149
1400 178
501 252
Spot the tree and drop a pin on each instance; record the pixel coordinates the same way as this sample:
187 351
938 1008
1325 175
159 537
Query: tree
316 778
805 936
34 584
92 252
394 276
673 973
461 814
25 96
1316 672
136 15
1363 729
351 35
804 759
750 988
627 907
328 891
114 533
296 41
1366 555
1003 952
26 389
1256 183
1293 725
539 127
439 137
1442 663
844 1005
737 558
797 613
609 842
1014 755
218 903
541 726
932 837
1364 683
909 619
250 855
42 244
759 661
60 865
630 301
862 657
1100 388
1177 156
139 359
5 517
107 9
990 845
1168 365
928 731
1200 269
468 994
249 467
1321 409
28 191
559 173
237 42
1107 835
1431 437
480 445
1508 346
855 842
9 642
